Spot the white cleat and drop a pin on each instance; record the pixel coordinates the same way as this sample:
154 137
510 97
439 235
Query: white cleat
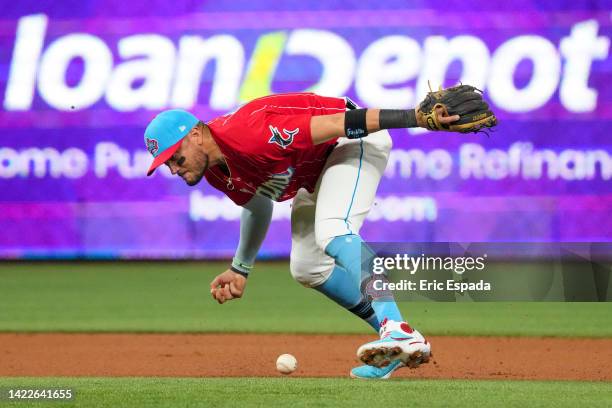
398 341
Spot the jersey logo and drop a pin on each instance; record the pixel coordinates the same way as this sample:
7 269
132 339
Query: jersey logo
152 146
274 187
278 138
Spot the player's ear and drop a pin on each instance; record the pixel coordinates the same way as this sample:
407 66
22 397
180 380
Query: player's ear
198 133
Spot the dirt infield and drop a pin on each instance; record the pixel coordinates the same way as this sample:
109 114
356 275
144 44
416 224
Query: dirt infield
244 355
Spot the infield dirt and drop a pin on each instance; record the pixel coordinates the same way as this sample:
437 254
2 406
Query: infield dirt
253 355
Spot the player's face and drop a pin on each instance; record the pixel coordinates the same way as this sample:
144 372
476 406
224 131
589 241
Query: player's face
189 163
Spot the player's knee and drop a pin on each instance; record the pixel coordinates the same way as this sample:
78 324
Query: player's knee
323 240
297 271
309 274
328 229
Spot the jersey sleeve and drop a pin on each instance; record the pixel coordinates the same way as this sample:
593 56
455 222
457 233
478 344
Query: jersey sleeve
285 118
288 132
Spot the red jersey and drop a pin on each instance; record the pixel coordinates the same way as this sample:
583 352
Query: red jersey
268 147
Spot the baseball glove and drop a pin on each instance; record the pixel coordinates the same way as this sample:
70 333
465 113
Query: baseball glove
463 100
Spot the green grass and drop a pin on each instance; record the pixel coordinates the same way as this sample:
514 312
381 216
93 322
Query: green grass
174 297
321 392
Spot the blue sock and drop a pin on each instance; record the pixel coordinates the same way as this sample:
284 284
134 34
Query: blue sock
340 288
346 250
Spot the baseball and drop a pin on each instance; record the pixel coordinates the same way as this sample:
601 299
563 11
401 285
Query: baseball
286 364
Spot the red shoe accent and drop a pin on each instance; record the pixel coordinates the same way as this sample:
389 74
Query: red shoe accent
405 327
383 322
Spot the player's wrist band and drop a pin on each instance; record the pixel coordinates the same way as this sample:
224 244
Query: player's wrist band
355 126
397 119
246 275
240 267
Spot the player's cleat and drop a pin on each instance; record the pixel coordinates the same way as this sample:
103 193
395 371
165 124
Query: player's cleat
366 372
398 341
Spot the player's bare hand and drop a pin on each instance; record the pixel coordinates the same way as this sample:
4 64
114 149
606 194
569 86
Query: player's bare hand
227 286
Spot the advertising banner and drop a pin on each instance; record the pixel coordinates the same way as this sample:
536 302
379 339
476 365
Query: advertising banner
79 84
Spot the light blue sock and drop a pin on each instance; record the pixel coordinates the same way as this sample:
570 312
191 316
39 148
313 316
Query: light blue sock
346 250
341 288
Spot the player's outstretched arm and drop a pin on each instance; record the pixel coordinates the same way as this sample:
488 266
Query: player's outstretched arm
351 123
457 109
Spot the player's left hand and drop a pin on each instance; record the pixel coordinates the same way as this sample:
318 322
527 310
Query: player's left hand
227 286
459 108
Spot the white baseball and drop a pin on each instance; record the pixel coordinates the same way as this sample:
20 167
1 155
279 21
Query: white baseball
286 364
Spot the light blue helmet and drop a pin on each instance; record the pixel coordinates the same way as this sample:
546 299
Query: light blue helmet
164 134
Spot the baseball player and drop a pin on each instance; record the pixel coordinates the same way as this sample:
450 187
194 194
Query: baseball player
328 156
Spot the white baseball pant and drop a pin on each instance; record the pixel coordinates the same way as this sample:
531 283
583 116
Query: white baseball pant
342 199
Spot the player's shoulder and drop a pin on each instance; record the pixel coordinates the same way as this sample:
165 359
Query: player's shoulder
288 96
254 106
258 113
293 101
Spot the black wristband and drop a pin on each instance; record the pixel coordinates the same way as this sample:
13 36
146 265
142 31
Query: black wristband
355 126
246 275
397 119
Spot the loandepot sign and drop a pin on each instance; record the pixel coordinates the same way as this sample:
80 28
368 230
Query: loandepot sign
170 72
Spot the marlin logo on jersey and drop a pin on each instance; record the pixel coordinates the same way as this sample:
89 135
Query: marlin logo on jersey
278 138
276 184
152 146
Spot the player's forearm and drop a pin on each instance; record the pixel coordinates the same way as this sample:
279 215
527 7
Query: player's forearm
358 123
254 222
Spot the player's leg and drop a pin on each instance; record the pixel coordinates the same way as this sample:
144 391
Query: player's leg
313 268
339 288
345 195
